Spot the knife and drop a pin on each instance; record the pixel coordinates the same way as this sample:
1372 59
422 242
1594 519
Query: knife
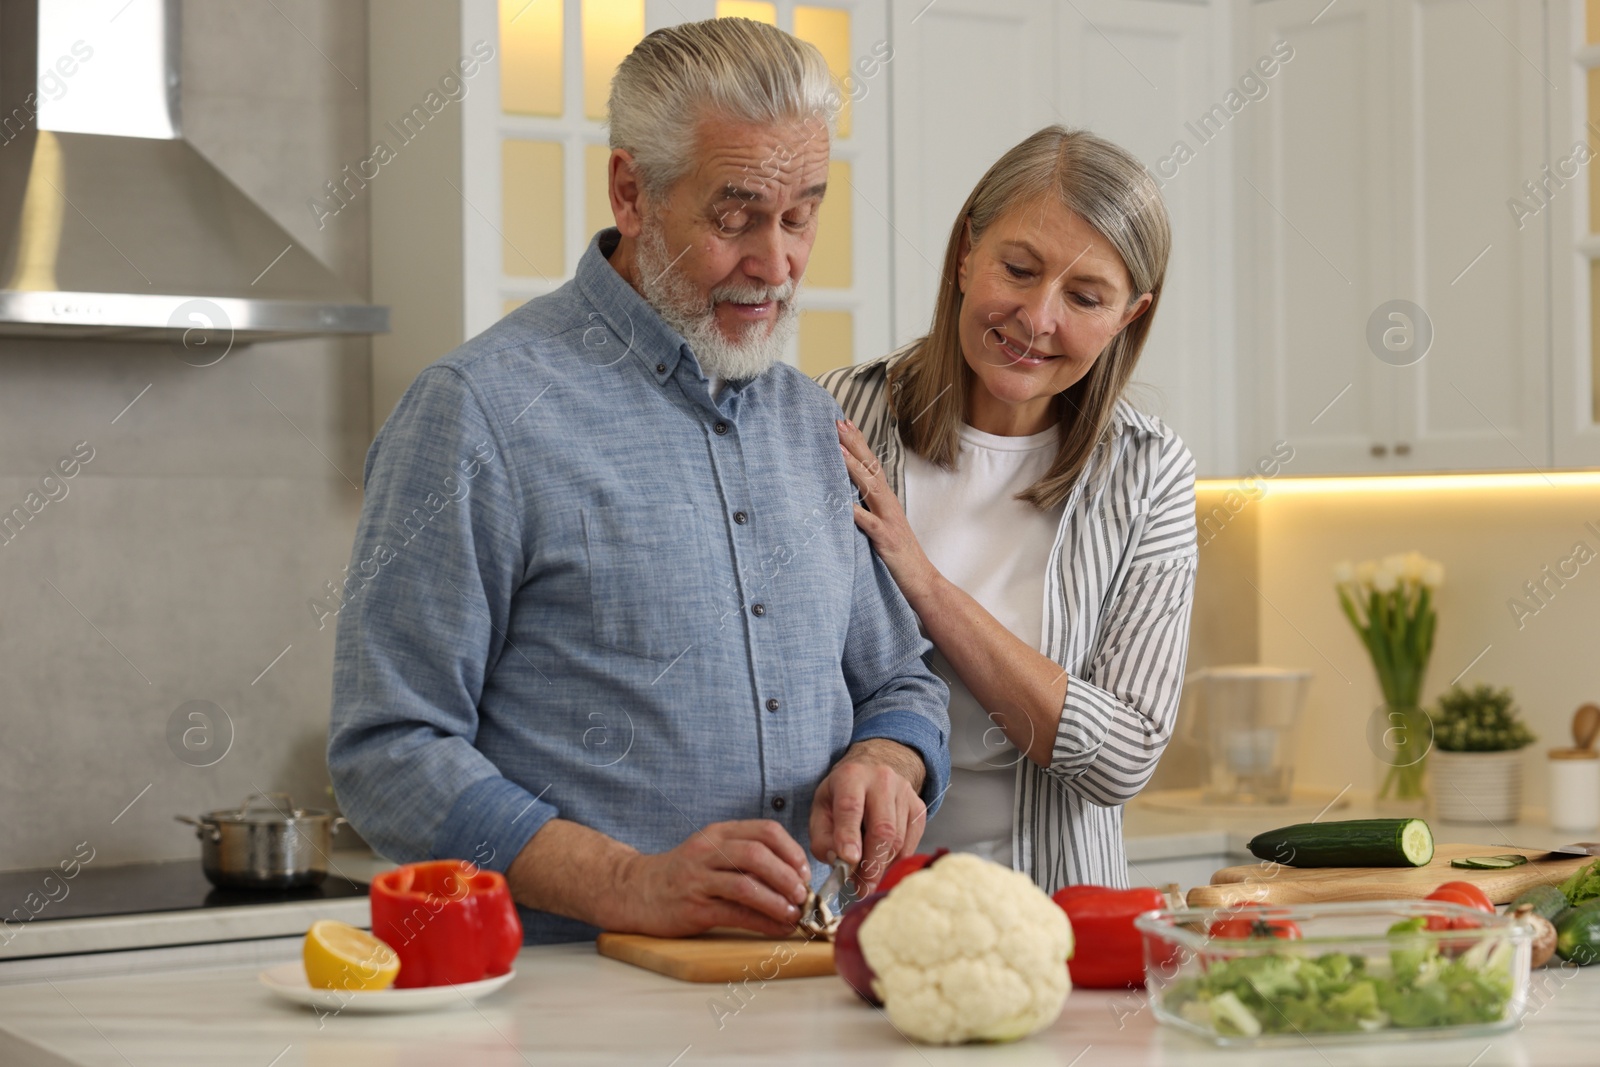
1564 852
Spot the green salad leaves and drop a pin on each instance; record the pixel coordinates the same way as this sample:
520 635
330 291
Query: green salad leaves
1282 992
1584 885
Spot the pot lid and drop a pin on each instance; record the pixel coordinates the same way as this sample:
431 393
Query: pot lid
264 808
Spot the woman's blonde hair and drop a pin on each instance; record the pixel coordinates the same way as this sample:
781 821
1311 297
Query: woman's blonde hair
1110 190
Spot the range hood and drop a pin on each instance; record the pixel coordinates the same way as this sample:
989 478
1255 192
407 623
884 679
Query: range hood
112 226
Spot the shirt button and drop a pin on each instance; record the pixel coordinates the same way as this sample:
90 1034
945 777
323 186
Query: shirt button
772 705
778 803
661 368
758 610
721 427
740 517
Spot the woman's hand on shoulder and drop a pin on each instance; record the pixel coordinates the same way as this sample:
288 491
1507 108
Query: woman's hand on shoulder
883 520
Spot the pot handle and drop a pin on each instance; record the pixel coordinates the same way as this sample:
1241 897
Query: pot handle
338 821
202 830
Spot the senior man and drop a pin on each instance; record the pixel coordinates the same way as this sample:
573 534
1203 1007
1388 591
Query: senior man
610 626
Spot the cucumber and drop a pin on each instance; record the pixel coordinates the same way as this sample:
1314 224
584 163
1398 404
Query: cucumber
1547 900
1351 843
1578 934
1490 863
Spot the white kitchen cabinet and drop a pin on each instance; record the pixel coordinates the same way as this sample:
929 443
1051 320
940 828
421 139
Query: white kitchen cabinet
1381 174
1469 76
1566 205
971 78
1143 74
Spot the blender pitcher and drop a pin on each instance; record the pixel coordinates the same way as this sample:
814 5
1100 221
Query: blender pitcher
1246 717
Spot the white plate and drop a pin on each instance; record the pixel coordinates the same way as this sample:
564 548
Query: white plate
288 980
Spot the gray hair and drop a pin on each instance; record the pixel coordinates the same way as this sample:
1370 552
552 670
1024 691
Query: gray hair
732 68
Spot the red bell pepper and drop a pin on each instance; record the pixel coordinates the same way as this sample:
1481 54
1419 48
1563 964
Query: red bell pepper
1108 953
450 921
907 865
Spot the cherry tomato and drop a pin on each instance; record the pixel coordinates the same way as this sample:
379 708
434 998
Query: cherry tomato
1242 924
1465 894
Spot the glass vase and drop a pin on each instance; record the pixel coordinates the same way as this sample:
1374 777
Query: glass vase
1400 736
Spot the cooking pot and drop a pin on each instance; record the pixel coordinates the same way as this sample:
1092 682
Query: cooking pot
266 843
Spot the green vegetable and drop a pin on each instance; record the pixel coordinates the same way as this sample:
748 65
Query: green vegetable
1548 901
1352 843
1229 1016
1285 992
1578 934
1490 863
1409 955
1583 885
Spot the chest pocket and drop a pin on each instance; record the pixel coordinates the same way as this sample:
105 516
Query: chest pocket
649 583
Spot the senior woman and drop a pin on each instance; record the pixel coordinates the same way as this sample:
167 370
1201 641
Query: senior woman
1041 527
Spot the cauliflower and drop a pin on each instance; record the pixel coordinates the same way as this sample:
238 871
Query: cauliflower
968 950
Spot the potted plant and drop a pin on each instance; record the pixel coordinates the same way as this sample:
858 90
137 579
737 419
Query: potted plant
1390 604
1478 738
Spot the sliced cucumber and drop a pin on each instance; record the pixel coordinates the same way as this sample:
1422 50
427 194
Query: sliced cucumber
1351 843
1490 863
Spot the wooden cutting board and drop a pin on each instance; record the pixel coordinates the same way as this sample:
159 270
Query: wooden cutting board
1274 884
721 957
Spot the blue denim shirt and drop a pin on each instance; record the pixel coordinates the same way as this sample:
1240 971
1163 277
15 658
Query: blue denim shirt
581 587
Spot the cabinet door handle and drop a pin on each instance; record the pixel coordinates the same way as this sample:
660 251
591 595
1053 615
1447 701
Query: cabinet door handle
1402 449
1380 450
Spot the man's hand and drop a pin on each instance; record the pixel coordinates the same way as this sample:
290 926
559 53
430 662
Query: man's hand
870 793
749 874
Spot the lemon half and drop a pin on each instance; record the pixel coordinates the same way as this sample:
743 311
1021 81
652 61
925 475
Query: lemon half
339 956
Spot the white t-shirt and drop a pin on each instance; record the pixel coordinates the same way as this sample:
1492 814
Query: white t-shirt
993 547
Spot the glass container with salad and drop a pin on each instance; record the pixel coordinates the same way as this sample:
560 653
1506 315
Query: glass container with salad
1263 975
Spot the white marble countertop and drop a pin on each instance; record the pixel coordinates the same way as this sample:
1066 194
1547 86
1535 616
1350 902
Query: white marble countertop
567 1005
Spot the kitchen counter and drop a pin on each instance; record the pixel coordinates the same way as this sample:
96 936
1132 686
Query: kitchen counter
1165 845
204 1005
568 1005
1152 831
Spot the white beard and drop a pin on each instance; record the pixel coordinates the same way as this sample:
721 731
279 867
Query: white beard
695 317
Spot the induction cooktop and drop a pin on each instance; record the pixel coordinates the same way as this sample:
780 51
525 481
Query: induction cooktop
142 888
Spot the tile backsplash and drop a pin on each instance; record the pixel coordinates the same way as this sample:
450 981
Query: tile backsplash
1267 581
176 564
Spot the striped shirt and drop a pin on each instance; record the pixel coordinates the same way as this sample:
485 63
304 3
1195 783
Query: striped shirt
1118 591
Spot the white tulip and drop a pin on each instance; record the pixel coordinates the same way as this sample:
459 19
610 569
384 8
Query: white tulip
1366 571
1386 580
1344 572
1412 565
1433 575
